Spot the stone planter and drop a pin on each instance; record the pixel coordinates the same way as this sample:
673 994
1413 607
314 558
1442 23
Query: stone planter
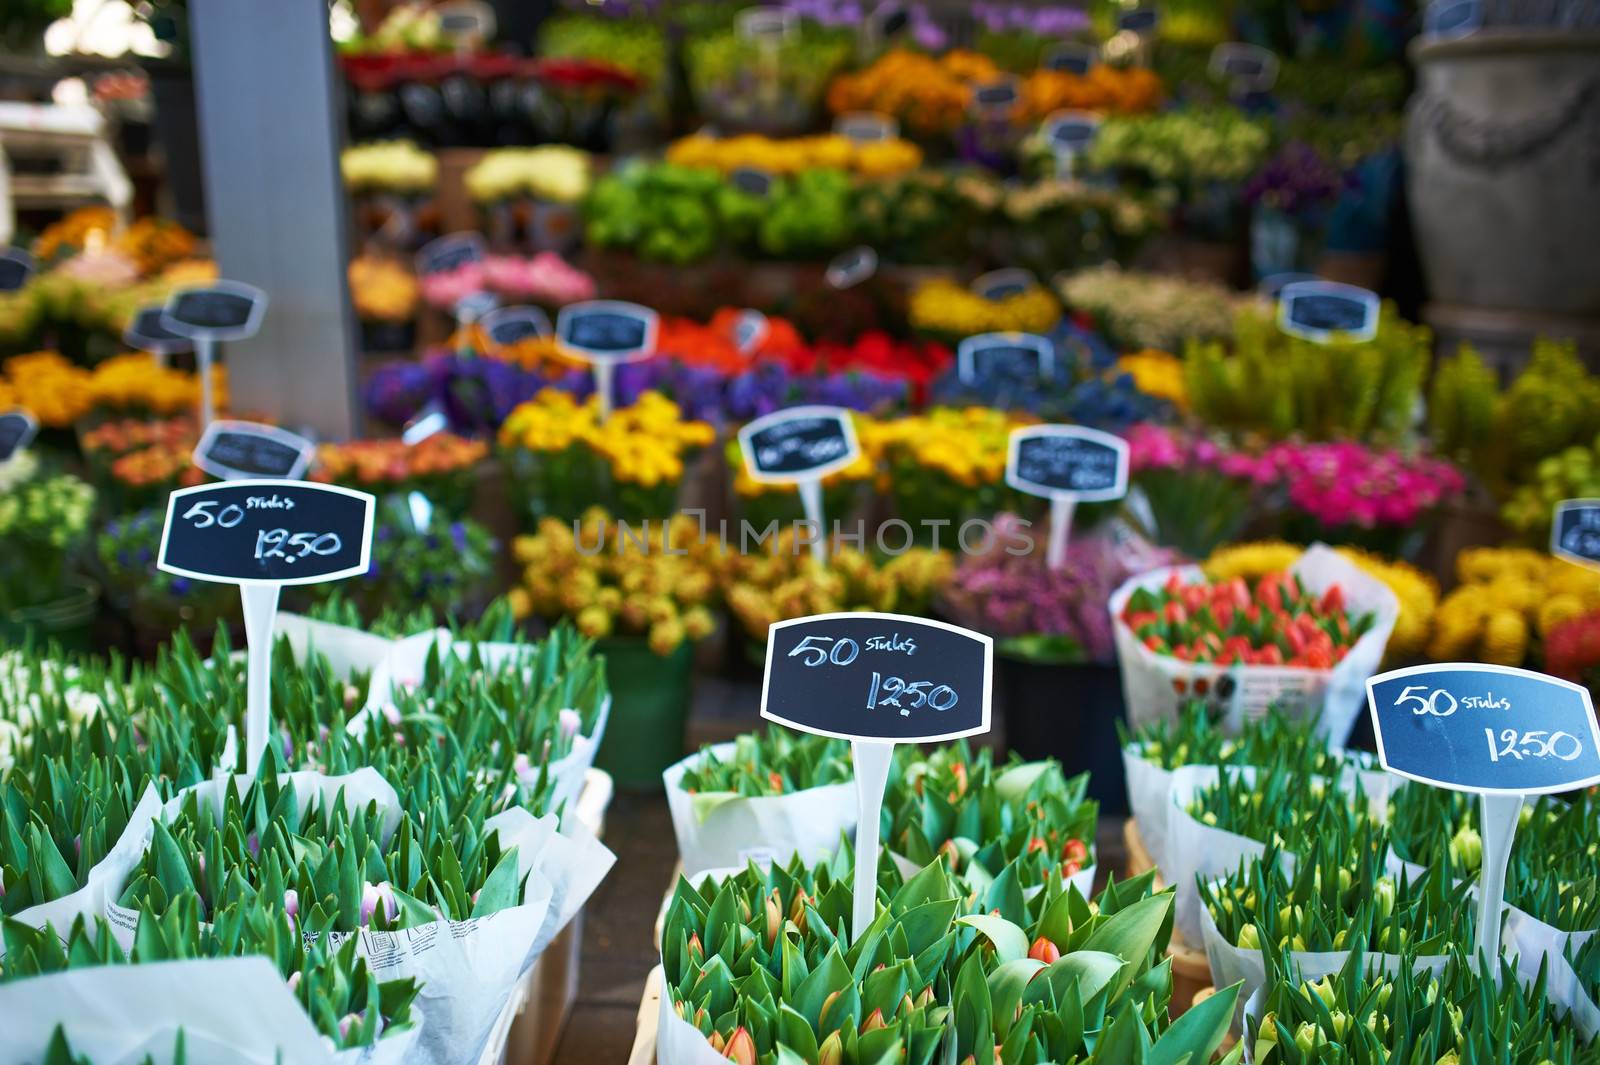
1504 169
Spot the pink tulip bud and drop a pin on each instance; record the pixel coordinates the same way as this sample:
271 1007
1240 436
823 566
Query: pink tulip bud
294 981
252 843
351 694
391 713
347 1022
521 765
372 895
291 902
570 721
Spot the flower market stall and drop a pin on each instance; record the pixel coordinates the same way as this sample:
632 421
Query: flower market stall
799 532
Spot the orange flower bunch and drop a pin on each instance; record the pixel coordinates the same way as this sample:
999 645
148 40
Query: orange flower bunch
114 439
157 465
155 243
1120 90
392 461
927 94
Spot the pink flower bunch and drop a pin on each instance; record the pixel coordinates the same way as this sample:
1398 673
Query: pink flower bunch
446 288
1008 595
1347 483
1164 447
545 278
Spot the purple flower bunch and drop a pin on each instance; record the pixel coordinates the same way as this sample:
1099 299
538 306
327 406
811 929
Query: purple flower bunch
769 387
1298 180
1017 595
475 393
921 26
1050 20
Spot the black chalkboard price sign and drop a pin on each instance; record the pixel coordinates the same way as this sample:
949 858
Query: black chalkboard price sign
866 127
607 330
222 310
849 268
884 677
234 450
1575 531
146 333
1054 460
16 266
450 252
1003 284
1071 132
1325 311
982 354
1140 20
260 532
997 95
17 429
510 325
750 180
1245 66
1072 57
798 444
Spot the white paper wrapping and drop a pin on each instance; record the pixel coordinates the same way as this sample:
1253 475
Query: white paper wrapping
725 832
1148 788
349 651
467 969
1230 963
1562 987
404 667
116 1014
1156 686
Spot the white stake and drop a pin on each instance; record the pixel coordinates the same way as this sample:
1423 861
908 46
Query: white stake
260 611
872 760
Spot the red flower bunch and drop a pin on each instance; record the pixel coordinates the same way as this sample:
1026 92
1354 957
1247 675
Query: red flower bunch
916 362
585 74
1572 650
712 346
1278 622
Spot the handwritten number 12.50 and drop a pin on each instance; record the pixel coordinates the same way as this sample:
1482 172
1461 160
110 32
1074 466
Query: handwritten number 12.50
887 691
270 543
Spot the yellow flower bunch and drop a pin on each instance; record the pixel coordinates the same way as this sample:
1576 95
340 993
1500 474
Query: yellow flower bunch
1156 373
1417 591
58 393
783 582
940 305
644 444
551 172
381 289
966 444
135 380
75 230
1507 594
791 155
616 582
155 243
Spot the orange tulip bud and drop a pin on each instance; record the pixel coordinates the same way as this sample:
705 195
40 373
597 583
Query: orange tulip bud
1044 950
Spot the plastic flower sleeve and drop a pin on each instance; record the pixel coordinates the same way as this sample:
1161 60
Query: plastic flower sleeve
1155 686
721 830
349 651
116 1013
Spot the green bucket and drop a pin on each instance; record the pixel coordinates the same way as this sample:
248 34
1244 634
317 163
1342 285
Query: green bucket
67 620
649 710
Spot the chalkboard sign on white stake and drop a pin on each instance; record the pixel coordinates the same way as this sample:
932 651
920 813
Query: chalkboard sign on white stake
876 680
1003 284
17 430
801 446
1328 311
261 535
1245 67
1575 531
450 252
510 325
866 127
976 353
16 267
749 330
239 450
1497 731
1071 57
209 314
849 268
1066 464
146 333
605 333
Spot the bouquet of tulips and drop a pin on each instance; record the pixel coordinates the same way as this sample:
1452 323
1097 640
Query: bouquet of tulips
768 795
1307 638
1023 824
1464 1010
1002 978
